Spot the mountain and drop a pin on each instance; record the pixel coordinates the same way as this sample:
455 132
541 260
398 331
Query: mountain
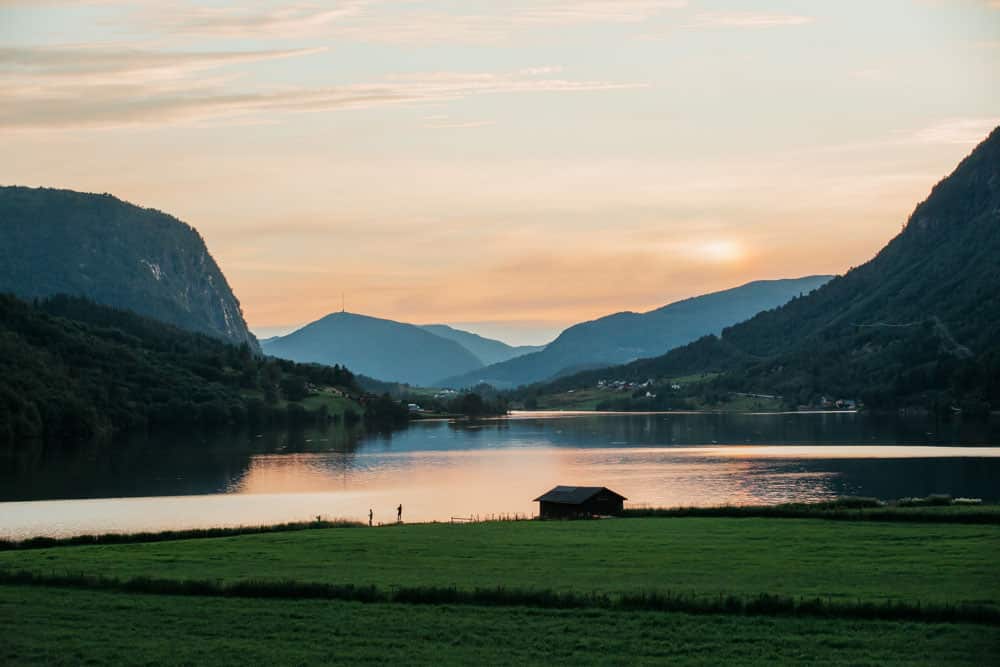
117 254
487 350
382 349
919 324
72 370
622 337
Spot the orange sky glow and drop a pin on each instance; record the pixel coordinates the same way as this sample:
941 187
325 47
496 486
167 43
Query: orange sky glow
512 172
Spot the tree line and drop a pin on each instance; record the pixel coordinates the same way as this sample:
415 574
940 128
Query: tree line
73 370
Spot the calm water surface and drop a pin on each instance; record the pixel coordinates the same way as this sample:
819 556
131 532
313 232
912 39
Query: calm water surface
440 469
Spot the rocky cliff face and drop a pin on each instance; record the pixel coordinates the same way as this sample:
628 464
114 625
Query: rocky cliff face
117 254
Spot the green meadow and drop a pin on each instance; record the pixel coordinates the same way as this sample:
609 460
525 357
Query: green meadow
51 626
837 562
869 561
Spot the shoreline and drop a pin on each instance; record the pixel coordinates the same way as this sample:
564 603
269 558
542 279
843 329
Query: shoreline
845 509
610 413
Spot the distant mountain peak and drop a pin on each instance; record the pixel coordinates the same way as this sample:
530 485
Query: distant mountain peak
627 335
379 348
487 350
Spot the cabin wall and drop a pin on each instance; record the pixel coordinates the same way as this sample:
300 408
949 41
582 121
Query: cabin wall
604 504
598 505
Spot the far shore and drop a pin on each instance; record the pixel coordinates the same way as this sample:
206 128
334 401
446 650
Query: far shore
571 413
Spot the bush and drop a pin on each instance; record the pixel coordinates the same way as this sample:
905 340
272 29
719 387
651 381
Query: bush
855 502
933 500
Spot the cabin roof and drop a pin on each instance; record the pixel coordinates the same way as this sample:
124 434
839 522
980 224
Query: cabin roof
574 495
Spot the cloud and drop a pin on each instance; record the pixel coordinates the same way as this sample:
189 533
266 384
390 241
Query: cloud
595 11
538 71
385 21
279 22
968 131
97 65
734 19
99 88
371 21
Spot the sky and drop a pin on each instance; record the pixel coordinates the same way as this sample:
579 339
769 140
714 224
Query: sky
509 167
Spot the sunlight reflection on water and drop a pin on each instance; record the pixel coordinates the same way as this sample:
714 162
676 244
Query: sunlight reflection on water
441 470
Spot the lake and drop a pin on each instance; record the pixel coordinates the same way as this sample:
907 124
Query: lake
444 469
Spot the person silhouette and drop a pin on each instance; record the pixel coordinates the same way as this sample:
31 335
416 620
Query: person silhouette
399 513
370 515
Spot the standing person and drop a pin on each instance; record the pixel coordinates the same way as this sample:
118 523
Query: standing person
370 515
399 513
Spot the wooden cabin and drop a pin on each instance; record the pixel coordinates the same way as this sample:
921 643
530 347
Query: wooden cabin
574 502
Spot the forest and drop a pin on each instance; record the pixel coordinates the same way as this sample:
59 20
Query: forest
72 370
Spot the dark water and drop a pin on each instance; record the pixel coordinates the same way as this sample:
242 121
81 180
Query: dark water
443 469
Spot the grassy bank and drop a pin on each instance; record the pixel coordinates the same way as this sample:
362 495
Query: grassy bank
703 557
54 626
835 511
170 535
841 509
691 591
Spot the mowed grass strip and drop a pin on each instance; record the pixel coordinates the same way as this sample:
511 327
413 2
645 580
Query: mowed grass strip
864 561
53 626
761 605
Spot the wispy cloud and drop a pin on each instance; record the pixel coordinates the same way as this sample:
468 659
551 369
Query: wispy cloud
84 87
594 11
101 65
539 71
967 131
243 22
387 21
739 19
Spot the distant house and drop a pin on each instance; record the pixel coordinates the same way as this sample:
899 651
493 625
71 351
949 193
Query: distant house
568 502
413 407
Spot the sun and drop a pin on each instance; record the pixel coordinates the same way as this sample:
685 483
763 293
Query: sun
720 251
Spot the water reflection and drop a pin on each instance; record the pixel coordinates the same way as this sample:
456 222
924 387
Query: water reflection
444 469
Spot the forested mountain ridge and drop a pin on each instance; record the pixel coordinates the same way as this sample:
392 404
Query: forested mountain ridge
487 350
379 348
621 337
71 370
114 253
917 324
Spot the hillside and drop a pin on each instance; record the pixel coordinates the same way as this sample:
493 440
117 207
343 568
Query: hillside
919 324
487 350
71 370
382 349
622 337
111 252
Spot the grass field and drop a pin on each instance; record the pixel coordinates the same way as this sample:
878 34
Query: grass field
839 561
53 626
335 404
734 403
588 398
868 561
578 399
